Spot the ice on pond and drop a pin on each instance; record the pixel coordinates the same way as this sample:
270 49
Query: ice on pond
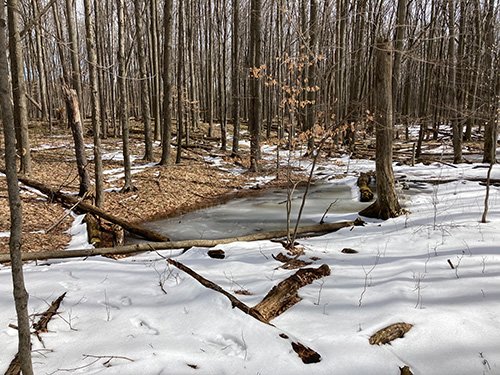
263 212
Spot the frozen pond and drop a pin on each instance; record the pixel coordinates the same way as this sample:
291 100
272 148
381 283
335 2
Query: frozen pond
263 212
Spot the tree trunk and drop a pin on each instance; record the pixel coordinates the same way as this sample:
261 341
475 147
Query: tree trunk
254 120
123 99
15 241
18 87
155 67
180 80
386 205
492 74
76 80
94 103
235 75
73 111
311 95
146 118
452 58
167 84
306 231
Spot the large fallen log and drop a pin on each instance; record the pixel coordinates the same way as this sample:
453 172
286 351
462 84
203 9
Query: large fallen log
152 246
69 200
284 295
306 354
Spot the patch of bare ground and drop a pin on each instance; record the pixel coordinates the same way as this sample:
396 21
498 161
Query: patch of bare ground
162 191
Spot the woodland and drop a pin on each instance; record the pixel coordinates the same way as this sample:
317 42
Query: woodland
119 113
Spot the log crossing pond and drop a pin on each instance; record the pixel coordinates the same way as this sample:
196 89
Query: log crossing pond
263 212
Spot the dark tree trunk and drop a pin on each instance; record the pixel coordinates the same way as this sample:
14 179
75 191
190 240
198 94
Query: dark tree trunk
386 205
146 118
255 116
15 241
18 87
235 76
94 103
167 84
123 99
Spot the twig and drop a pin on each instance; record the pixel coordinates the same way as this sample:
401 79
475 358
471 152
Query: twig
66 214
328 209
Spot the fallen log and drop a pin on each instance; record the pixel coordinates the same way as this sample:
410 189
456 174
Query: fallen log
306 354
235 302
69 200
152 246
284 295
366 194
40 326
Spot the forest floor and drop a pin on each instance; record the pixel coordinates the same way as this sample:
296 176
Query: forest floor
200 180
204 177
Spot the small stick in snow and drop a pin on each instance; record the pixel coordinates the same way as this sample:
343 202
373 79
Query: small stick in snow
451 264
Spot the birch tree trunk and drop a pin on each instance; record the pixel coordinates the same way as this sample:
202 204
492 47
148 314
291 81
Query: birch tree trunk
15 241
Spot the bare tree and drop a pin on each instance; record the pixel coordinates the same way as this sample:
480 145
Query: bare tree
255 116
18 87
146 118
386 205
235 75
167 82
94 103
15 241
123 104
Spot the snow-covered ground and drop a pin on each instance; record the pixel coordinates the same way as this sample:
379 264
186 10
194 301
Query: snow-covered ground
139 315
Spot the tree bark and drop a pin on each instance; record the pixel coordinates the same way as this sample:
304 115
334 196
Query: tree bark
94 103
71 200
145 112
386 205
180 80
18 87
76 77
284 295
15 241
305 231
123 99
255 116
73 111
167 84
235 75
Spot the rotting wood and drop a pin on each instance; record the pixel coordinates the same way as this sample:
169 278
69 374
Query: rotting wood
290 263
405 370
168 245
14 366
390 333
284 295
55 194
41 325
235 302
306 354
365 193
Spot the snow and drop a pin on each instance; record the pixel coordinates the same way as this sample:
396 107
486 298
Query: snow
401 274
